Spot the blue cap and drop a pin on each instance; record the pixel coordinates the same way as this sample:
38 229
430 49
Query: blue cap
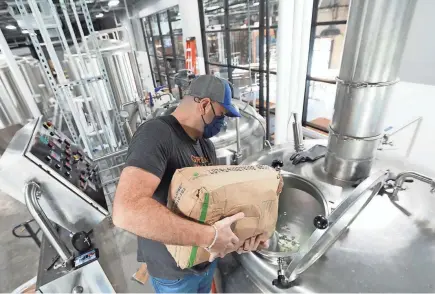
232 111
217 89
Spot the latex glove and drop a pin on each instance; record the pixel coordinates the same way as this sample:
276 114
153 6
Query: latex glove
226 240
253 244
312 154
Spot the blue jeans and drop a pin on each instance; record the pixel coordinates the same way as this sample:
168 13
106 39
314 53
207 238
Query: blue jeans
188 284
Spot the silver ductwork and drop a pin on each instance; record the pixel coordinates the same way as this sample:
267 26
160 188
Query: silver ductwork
375 39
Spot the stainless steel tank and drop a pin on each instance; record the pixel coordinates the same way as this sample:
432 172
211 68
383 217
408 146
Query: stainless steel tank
387 248
371 239
13 106
121 66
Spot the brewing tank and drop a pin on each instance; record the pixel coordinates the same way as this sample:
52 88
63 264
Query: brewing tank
13 106
121 66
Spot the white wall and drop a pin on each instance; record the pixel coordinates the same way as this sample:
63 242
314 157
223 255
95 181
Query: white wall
414 96
418 61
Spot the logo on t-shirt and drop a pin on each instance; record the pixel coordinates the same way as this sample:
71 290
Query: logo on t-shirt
200 160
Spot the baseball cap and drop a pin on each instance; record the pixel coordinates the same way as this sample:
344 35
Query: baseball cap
217 89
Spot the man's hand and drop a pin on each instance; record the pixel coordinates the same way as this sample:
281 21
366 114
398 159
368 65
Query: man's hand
253 244
226 240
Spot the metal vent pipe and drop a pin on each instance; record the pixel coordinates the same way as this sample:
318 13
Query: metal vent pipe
375 39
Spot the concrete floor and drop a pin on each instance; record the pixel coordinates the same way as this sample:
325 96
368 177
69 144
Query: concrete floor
18 257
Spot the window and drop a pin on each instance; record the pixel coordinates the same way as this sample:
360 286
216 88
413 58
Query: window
239 38
164 42
326 47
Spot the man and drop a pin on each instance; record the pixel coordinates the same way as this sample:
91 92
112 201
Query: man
158 148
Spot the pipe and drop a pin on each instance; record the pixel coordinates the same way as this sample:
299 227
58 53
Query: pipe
398 185
111 155
298 137
375 39
18 78
32 192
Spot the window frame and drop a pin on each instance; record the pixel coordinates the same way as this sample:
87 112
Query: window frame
152 52
264 35
309 77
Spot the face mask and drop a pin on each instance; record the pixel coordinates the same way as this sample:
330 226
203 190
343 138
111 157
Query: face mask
213 128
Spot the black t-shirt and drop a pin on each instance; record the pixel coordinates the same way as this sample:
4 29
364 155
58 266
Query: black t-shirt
161 146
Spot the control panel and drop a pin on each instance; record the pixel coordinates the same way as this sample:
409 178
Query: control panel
67 161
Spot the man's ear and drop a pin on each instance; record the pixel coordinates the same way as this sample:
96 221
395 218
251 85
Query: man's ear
204 103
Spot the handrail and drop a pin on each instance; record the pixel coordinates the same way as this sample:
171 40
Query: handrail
32 192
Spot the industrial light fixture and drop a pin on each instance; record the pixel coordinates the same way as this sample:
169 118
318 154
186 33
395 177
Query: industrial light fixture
113 3
99 15
330 32
25 31
11 27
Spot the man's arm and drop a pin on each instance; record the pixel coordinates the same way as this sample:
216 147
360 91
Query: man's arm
136 211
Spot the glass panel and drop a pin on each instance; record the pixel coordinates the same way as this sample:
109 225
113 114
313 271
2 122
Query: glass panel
164 81
158 46
147 27
214 14
164 25
273 57
216 48
239 16
170 64
330 10
179 46
272 89
327 51
153 64
154 27
156 77
181 64
273 12
245 85
175 17
167 45
219 71
162 65
240 48
150 46
175 89
321 100
239 41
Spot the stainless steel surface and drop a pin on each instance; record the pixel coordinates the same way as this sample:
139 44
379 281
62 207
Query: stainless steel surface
340 219
111 273
388 247
113 154
374 43
6 136
63 203
298 137
398 185
14 108
238 143
90 278
121 68
300 201
32 192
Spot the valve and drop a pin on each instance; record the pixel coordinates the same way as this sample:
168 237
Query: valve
277 164
281 281
321 222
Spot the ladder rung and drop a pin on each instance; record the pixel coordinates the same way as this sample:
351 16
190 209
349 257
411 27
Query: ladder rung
80 82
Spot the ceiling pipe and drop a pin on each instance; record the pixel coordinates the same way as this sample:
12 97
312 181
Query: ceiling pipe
375 39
